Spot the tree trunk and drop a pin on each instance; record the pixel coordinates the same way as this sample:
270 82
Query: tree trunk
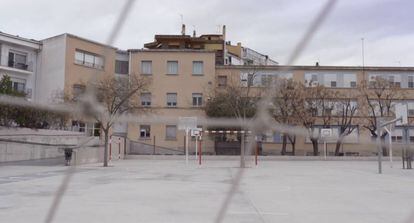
338 145
242 151
106 137
284 142
315 147
292 140
293 148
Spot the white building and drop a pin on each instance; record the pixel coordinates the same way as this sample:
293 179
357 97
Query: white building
20 59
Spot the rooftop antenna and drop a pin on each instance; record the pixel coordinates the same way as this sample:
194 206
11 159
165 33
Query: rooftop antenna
363 52
194 31
363 57
219 28
398 62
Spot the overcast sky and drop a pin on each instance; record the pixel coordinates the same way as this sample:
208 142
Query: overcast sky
271 27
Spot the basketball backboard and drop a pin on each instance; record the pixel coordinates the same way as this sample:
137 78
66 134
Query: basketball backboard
401 111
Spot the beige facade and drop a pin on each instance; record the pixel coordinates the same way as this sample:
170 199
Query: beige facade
179 80
78 73
402 76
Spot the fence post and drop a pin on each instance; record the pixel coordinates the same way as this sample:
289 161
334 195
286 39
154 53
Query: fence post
110 148
242 147
153 151
256 153
199 151
119 148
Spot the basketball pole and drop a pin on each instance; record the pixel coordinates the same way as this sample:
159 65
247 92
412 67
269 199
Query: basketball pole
186 146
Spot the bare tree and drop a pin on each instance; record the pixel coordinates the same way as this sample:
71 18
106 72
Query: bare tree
286 98
315 104
237 99
379 95
346 114
116 96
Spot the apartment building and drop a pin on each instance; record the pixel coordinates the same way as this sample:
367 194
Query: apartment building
181 80
184 70
20 60
240 55
347 81
69 62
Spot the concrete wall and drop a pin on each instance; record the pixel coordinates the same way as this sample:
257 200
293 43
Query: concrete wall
52 69
26 144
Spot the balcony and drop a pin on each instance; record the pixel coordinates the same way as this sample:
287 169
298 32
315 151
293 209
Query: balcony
20 66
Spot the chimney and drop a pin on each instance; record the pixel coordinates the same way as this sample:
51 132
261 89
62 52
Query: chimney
317 64
239 44
224 32
183 29
194 33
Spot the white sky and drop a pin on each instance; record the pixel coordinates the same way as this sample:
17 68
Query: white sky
271 27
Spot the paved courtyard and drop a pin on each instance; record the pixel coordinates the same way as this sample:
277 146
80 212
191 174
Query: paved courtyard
151 190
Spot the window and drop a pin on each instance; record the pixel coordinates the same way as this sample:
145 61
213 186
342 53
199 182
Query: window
146 99
93 129
121 67
77 91
171 132
197 99
353 84
330 79
410 81
78 126
349 80
146 67
311 80
144 131
411 135
266 80
171 99
89 59
18 85
395 80
18 60
410 105
198 68
172 67
222 81
397 135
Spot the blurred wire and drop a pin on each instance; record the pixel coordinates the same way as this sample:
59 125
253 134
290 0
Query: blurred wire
89 105
263 110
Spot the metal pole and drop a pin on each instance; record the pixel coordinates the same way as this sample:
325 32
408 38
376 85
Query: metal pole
242 148
153 149
256 153
379 147
110 149
196 148
390 138
325 148
199 152
186 146
119 148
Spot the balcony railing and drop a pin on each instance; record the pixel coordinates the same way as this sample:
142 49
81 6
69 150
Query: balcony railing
20 66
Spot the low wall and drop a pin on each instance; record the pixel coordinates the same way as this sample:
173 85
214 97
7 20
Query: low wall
18 144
